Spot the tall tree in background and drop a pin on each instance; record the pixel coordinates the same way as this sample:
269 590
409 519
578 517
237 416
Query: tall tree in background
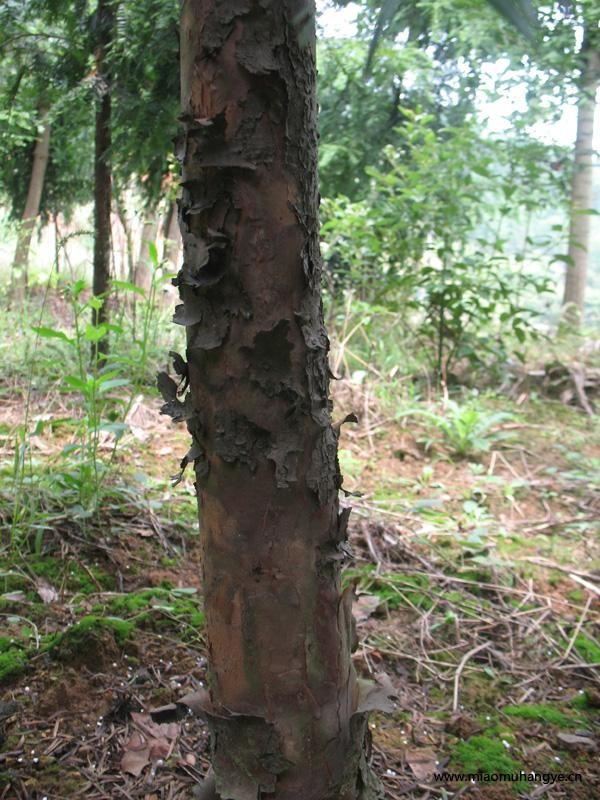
582 181
286 710
32 203
102 171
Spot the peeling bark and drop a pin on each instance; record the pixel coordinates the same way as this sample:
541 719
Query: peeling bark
287 715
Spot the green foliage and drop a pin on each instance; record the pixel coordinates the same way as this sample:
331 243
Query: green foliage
420 242
80 478
467 429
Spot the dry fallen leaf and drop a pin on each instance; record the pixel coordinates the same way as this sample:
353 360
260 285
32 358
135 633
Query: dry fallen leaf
155 730
47 593
150 742
422 761
136 755
364 606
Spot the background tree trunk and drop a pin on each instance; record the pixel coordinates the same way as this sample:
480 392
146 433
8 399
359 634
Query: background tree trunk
102 172
286 711
582 185
172 236
32 207
141 275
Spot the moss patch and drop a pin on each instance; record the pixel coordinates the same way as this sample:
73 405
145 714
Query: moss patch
93 641
587 649
12 663
541 713
160 605
482 754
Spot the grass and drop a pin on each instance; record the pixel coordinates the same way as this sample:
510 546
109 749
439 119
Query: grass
447 571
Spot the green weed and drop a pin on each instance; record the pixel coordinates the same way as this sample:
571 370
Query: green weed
467 430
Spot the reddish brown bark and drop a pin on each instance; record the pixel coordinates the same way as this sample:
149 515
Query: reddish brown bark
286 711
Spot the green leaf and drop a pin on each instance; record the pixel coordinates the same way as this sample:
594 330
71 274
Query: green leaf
129 287
153 253
118 428
52 333
78 288
106 386
93 333
76 383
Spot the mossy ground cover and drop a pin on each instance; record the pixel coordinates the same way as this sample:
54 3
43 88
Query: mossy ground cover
448 554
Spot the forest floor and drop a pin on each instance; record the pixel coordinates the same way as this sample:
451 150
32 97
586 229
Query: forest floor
477 582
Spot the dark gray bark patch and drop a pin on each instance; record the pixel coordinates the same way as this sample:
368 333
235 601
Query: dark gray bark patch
220 25
342 527
212 328
257 51
323 477
269 360
190 311
246 757
173 407
181 369
284 454
237 439
197 456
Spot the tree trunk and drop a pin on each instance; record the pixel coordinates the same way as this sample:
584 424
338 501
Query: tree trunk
582 185
288 715
172 237
141 275
102 174
32 207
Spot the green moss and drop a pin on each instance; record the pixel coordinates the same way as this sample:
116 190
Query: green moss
120 627
6 644
12 663
541 713
487 756
587 649
137 601
161 607
85 634
583 702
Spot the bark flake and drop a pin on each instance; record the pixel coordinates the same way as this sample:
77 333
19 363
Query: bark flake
238 439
